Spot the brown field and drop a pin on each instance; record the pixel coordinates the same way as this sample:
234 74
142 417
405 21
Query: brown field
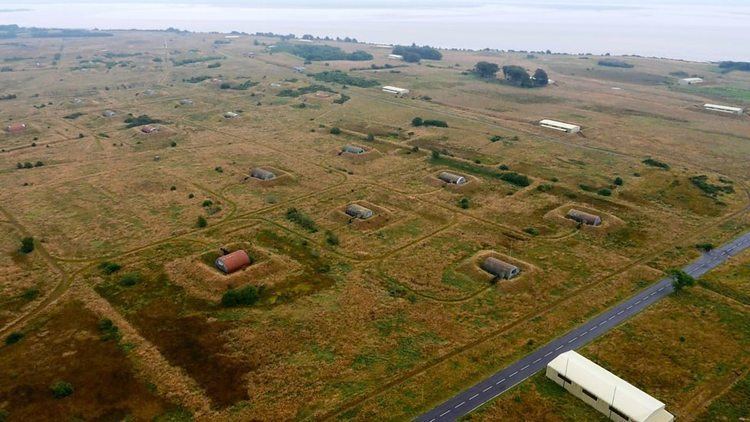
354 319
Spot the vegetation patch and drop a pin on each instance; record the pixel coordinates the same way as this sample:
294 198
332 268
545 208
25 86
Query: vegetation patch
339 77
615 63
302 91
710 189
315 53
143 119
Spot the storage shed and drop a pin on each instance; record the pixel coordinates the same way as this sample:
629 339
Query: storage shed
724 109
232 262
15 127
353 149
186 101
451 178
499 269
262 174
395 90
561 126
109 113
605 391
149 129
231 115
584 217
358 211
691 81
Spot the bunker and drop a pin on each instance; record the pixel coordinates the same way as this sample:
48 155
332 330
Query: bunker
232 262
262 174
358 211
500 269
451 178
186 101
149 129
353 149
109 113
584 217
231 115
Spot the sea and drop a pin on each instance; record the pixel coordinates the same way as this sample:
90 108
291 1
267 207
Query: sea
695 30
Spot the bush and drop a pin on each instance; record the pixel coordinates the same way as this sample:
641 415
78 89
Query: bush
335 131
141 120
202 222
13 338
656 163
544 187
343 78
705 247
370 137
417 121
435 155
680 279
130 279
517 179
314 52
109 268
604 192
433 122
615 63
464 203
27 245
108 330
331 238
61 389
39 164
244 296
296 216
207 203
496 138
414 53
532 231
618 181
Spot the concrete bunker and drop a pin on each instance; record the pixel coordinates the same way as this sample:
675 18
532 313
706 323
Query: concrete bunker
109 113
262 174
452 178
584 217
232 262
149 129
499 269
353 149
358 211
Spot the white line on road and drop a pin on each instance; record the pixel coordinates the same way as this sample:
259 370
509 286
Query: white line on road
473 397
524 368
487 389
559 347
620 313
460 404
445 413
548 353
500 382
536 361
629 307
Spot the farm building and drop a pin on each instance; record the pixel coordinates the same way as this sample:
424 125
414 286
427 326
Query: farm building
262 174
149 129
604 391
358 211
395 90
231 115
562 127
232 262
395 57
186 101
300 69
353 149
584 217
109 113
690 81
15 127
724 109
499 269
451 178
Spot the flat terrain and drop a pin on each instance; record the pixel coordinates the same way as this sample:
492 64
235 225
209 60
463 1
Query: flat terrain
354 319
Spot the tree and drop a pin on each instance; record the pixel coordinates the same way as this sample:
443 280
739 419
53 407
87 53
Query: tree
202 222
13 338
247 295
618 181
417 121
486 69
27 245
517 76
61 389
540 78
680 279
335 131
464 203
410 57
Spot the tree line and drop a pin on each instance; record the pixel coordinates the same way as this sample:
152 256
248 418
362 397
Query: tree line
512 74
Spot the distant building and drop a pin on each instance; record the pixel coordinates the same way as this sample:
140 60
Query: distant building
584 217
15 127
232 262
109 113
353 149
563 127
605 391
724 109
395 57
186 101
262 174
499 269
395 90
231 115
451 178
690 81
300 69
358 211
149 129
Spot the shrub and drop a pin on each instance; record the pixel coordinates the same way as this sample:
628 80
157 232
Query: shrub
504 167
108 330
207 203
496 138
173 144
433 122
201 222
544 187
218 169
13 338
370 137
38 164
705 247
343 78
516 179
435 155
702 183
130 279
109 267
335 131
680 279
331 238
27 245
417 121
604 192
296 216
532 231
244 296
464 203
656 163
615 63
618 181
30 294
61 389
141 120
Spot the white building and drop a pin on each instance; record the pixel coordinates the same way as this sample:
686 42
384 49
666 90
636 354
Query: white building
231 115
604 391
723 109
395 90
563 127
690 81
395 57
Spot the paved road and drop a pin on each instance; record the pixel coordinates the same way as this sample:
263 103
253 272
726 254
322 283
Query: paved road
486 390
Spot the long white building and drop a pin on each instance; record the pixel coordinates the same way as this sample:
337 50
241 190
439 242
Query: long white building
723 109
395 57
395 90
563 127
691 81
605 391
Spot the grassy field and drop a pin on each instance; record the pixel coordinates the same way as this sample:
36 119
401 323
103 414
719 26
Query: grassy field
352 319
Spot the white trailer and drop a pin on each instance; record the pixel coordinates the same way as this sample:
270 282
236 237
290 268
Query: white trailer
724 109
395 90
562 127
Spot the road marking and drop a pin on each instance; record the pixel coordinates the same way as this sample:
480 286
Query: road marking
637 301
511 375
487 389
548 353
602 323
537 360
473 397
460 404
629 307
610 318
559 347
445 413
500 382
524 368
620 313
572 340
432 420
